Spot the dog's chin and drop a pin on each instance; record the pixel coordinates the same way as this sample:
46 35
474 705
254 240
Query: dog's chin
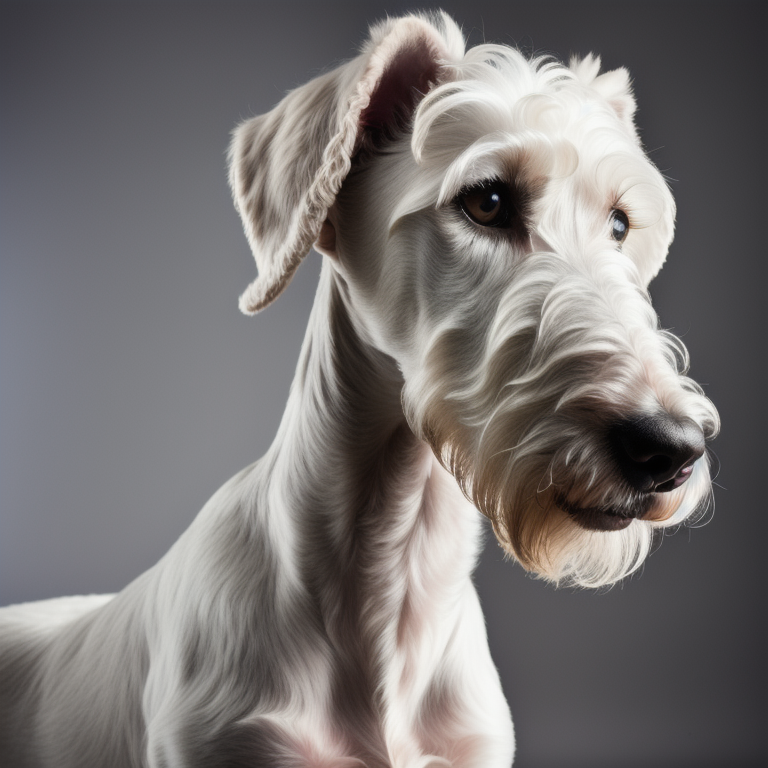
603 518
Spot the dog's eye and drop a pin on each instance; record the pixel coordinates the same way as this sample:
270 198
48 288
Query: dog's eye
619 226
487 204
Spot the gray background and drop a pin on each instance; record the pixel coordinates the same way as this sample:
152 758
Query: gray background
131 387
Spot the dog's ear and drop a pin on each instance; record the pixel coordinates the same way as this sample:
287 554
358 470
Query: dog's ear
287 166
614 86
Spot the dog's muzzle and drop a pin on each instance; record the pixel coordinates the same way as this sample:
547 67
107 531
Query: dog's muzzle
654 454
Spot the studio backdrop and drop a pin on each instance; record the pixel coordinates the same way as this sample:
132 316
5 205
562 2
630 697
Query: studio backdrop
131 387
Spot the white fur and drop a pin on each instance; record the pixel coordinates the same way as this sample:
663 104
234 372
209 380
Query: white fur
320 612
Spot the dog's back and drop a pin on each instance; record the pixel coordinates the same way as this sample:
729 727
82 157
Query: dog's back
42 707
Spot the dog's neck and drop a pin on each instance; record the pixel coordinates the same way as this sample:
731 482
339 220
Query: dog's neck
387 541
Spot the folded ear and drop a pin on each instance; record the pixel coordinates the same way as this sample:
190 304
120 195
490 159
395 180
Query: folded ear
286 167
614 86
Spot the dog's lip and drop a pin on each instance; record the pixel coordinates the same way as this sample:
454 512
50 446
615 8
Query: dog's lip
597 518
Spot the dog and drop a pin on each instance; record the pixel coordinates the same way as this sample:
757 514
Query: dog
482 339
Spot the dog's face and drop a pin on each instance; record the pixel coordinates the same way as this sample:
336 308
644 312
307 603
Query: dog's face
497 240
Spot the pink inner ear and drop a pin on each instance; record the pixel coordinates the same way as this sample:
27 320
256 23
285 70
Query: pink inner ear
404 82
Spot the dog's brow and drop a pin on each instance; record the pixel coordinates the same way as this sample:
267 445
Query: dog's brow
522 159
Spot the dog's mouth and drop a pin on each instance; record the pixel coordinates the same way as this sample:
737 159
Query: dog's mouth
606 518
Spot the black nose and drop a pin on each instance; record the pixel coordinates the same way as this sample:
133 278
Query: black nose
656 453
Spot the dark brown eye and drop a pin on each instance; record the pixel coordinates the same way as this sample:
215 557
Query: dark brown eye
488 205
619 226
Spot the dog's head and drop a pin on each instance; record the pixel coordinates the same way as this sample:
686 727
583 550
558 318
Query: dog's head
496 223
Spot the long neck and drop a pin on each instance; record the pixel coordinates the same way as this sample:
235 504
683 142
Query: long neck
387 542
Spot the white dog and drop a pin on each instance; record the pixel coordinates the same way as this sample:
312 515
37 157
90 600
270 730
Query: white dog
482 338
